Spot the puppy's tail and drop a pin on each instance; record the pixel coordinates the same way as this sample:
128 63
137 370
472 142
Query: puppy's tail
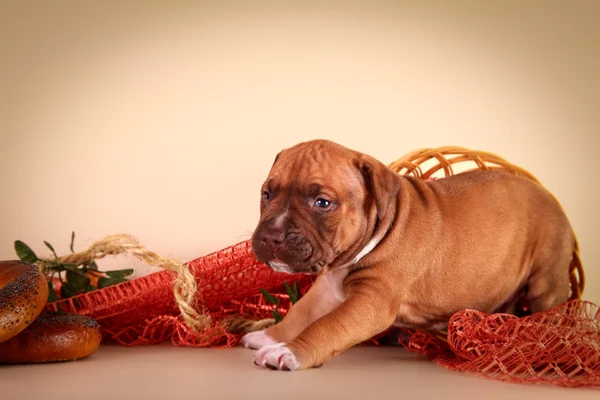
576 274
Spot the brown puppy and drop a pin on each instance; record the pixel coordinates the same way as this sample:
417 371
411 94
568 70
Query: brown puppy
393 250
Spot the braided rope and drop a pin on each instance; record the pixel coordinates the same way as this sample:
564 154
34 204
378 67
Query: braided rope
243 325
184 285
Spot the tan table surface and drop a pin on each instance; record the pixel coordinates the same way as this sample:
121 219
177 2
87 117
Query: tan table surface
168 372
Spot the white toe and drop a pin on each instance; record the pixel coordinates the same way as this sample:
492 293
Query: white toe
257 340
276 356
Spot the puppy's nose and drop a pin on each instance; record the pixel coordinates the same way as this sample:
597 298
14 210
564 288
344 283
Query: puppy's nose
272 238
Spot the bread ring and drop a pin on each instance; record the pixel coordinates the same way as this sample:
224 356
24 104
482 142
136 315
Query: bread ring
23 294
53 337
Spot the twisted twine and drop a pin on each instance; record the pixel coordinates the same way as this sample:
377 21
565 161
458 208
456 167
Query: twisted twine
243 325
184 285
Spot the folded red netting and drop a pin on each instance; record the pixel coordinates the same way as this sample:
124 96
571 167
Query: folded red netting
560 346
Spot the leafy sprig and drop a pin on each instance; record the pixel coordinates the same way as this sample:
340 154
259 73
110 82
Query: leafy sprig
293 293
75 279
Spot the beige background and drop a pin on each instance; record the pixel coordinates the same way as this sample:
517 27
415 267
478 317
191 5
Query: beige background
162 119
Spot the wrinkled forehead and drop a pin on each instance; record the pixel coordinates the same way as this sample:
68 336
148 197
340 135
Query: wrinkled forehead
316 168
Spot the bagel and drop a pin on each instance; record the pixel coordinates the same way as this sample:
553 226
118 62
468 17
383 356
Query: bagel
53 337
23 295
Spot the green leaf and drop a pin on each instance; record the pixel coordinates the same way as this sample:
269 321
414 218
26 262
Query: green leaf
48 245
92 265
90 288
290 293
119 273
77 280
70 267
51 293
277 316
297 291
66 291
269 297
72 242
24 252
105 282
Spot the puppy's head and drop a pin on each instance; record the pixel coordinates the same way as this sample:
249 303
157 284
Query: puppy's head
317 205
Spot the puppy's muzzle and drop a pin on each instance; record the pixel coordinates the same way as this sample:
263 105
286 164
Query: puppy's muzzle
272 239
277 246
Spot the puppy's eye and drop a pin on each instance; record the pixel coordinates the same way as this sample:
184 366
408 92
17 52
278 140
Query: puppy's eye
266 195
322 203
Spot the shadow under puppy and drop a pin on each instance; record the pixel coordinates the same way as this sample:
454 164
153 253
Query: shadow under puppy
391 250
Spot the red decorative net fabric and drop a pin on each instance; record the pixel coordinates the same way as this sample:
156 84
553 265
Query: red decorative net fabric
560 346
143 311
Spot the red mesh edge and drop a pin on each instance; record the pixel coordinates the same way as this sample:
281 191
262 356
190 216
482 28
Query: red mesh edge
560 346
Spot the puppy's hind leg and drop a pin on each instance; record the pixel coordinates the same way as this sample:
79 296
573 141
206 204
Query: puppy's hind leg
548 285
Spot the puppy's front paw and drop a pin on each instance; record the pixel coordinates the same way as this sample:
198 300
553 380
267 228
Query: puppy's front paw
277 356
257 340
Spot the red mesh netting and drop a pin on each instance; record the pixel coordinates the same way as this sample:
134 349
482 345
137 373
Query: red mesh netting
560 346
143 311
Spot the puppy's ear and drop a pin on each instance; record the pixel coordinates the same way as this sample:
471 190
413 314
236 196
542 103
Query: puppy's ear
382 182
276 158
